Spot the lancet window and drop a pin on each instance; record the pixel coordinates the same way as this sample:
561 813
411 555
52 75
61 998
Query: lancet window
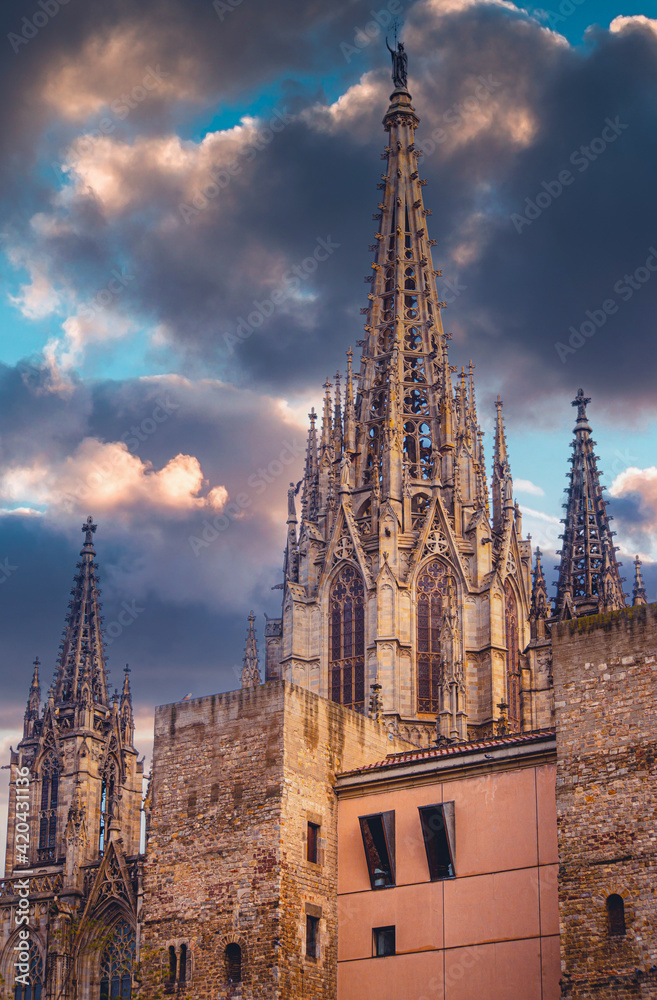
431 587
512 661
347 639
48 809
107 796
33 990
116 963
417 449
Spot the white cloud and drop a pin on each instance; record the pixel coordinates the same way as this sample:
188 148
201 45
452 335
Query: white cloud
526 486
109 477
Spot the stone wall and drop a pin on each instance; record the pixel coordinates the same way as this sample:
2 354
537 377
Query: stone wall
605 673
236 779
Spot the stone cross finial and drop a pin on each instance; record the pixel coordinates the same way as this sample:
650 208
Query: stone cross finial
89 528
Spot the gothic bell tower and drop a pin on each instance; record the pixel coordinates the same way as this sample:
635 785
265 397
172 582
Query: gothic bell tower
76 781
399 574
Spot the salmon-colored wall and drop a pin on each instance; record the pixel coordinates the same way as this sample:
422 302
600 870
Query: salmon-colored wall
492 932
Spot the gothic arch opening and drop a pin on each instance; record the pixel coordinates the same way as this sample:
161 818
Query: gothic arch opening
233 962
33 989
430 590
512 657
48 808
107 798
116 962
347 638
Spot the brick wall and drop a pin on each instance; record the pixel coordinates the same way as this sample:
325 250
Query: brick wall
605 674
236 779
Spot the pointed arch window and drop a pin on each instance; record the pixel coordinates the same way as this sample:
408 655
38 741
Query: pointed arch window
48 809
116 963
34 990
107 798
431 586
347 639
512 658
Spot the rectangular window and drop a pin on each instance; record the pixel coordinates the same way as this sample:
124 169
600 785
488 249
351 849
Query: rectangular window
312 843
312 936
438 831
378 832
383 941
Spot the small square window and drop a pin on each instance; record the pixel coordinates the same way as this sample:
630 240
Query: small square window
312 851
383 941
312 936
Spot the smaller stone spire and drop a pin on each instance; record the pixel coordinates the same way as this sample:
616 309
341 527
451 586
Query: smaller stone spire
310 495
540 606
502 483
291 551
337 421
33 702
125 709
250 668
639 590
327 422
349 410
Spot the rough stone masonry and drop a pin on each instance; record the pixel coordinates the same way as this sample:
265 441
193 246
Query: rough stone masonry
605 676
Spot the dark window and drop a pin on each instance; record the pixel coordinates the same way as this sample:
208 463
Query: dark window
173 965
33 991
512 661
347 639
311 847
616 915
431 588
107 795
383 941
378 832
233 962
116 963
48 810
182 968
312 936
438 831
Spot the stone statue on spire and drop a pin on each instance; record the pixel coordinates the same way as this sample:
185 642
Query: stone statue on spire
399 66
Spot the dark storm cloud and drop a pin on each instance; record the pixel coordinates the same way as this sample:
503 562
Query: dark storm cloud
506 107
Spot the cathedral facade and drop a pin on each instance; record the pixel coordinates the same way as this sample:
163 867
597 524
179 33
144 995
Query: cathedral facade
412 622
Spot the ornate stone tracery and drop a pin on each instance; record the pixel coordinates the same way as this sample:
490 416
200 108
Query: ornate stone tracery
347 638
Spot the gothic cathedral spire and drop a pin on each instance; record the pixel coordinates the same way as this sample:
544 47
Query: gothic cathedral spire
395 564
589 577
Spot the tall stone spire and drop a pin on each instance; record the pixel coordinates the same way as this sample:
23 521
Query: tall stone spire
82 653
589 578
250 668
402 502
638 591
